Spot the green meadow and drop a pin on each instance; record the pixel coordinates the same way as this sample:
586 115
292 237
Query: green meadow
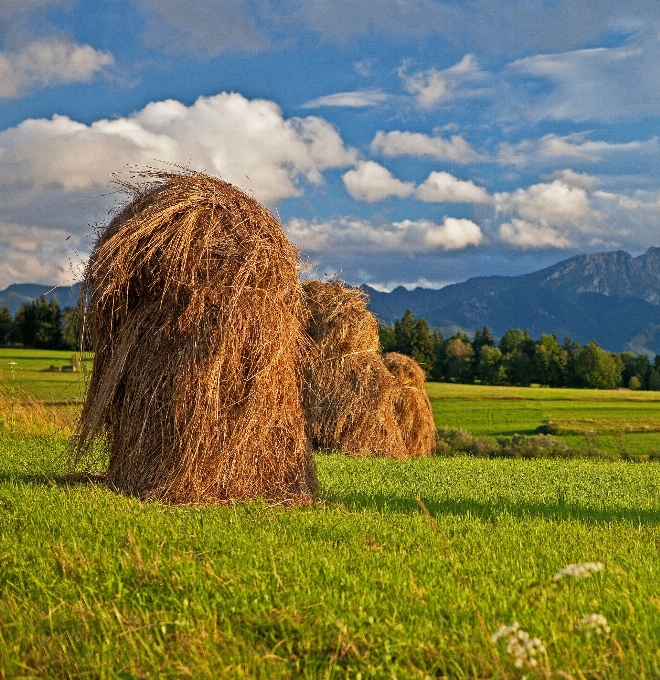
610 420
363 583
27 370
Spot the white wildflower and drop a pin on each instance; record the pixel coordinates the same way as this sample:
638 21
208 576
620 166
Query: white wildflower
577 571
520 644
595 624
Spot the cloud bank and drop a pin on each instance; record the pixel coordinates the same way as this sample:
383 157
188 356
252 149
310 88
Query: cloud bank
408 237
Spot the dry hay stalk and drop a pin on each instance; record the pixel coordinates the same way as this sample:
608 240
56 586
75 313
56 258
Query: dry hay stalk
198 314
349 394
412 406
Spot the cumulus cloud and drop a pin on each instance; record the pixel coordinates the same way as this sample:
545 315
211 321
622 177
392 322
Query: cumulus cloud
371 182
247 142
49 61
404 143
356 100
355 235
575 179
524 234
432 86
545 214
36 255
556 203
441 187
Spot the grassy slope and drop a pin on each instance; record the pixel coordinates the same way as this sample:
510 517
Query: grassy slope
618 417
93 584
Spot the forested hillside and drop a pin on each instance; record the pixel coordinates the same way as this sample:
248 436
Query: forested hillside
612 298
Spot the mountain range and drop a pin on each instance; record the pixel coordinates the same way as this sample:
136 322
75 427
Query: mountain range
15 295
613 298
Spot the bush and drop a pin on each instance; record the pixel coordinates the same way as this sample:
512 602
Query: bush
457 442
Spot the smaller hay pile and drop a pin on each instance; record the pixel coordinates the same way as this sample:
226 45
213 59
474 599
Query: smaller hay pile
412 406
349 395
198 314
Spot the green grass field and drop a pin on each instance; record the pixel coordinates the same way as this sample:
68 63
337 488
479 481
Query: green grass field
97 585
360 585
28 372
617 418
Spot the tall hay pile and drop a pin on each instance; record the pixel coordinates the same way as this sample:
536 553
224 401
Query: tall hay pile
349 394
412 406
198 314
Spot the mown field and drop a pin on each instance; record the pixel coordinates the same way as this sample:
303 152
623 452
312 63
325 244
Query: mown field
361 584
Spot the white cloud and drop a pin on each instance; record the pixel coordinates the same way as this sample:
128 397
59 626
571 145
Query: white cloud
36 255
248 143
398 143
547 214
526 235
355 235
551 148
441 187
47 62
599 84
555 203
432 86
388 286
575 179
359 99
371 182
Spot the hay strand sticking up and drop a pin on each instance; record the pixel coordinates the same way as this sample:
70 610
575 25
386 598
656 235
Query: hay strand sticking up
198 314
412 406
349 394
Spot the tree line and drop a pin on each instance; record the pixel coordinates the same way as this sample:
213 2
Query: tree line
517 359
41 324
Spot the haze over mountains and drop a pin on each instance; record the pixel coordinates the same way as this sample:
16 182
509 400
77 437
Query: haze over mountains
611 297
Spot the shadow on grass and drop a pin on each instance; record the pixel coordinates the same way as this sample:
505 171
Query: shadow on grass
492 511
56 479
383 503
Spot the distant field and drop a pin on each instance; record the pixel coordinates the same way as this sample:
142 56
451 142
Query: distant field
617 418
29 374
609 419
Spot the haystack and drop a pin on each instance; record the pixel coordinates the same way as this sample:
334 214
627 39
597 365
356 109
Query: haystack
198 314
411 405
349 396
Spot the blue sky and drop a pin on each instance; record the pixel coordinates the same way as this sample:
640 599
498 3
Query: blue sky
414 142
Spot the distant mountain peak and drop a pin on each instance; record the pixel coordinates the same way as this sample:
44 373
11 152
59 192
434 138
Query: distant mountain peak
610 296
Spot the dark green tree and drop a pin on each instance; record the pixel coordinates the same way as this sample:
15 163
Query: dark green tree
458 359
550 361
411 337
518 350
490 369
387 338
72 328
598 369
636 367
39 323
7 326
